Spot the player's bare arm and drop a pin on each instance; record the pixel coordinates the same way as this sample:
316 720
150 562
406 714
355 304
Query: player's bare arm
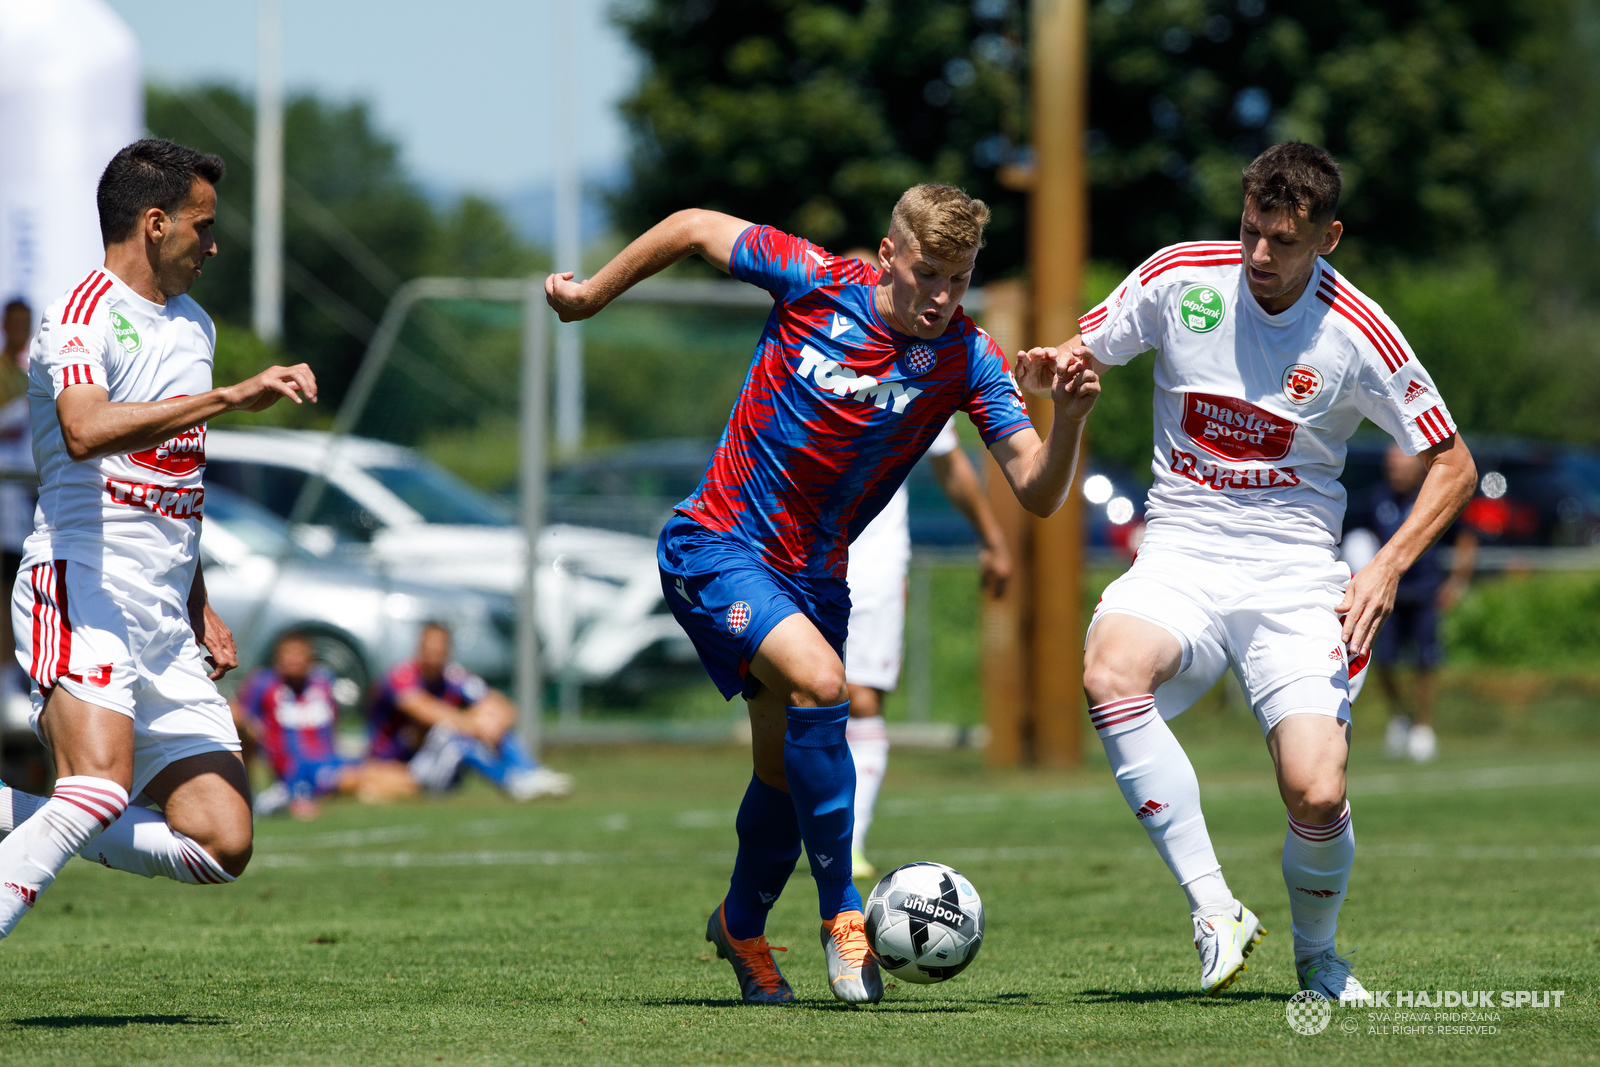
210 631
429 710
1041 472
960 484
94 425
695 231
1445 491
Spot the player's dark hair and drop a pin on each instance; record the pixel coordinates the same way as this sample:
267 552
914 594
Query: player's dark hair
146 174
15 303
435 624
1296 177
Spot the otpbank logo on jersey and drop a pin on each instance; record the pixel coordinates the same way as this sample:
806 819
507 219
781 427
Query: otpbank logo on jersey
1232 428
180 455
831 377
1201 308
126 335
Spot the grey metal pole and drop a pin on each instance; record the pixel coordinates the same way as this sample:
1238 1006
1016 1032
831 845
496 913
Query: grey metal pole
568 235
535 408
267 239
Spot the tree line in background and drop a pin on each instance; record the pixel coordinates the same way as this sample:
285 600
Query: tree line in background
1467 130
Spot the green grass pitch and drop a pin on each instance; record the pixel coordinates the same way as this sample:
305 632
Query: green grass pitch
474 931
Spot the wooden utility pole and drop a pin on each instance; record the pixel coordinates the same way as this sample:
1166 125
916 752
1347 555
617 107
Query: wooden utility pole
1058 245
1033 650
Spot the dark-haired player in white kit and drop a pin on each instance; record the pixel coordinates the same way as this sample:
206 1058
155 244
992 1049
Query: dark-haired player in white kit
109 605
1267 360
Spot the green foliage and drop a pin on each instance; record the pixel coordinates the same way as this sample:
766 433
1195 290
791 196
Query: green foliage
1453 120
355 227
814 117
240 355
1547 620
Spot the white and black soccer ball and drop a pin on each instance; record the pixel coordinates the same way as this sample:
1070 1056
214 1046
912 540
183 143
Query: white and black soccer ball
925 922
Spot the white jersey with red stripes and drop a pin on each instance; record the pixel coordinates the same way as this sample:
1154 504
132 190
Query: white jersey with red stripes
135 512
1252 411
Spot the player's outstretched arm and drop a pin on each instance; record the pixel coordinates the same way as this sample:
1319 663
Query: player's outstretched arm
695 231
210 631
960 484
1040 472
1369 599
92 425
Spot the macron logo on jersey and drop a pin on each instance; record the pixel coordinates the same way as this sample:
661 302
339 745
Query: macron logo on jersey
882 395
840 325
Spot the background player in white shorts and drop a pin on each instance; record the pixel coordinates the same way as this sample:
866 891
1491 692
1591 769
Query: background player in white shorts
1267 360
879 559
109 605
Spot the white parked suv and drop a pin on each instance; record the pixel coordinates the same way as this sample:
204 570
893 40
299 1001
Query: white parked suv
600 608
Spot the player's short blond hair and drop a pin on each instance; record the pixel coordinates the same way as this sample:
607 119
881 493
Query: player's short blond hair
943 219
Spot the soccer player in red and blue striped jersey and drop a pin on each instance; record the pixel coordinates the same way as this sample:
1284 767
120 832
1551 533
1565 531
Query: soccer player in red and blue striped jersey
856 372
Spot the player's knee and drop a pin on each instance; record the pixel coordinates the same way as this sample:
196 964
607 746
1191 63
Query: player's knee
1318 803
822 686
1110 677
231 847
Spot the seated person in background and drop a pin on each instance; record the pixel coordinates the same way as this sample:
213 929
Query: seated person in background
436 715
287 712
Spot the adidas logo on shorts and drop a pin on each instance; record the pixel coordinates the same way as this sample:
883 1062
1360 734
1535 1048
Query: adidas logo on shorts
1149 808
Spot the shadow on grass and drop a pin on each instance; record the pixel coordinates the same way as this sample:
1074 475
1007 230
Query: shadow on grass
1152 996
70 1022
908 1006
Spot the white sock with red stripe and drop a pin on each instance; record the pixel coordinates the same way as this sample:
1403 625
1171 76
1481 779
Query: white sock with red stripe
16 807
34 853
142 842
1316 870
868 739
1159 784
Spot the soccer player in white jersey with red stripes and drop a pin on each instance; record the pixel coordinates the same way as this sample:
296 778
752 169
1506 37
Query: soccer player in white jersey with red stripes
1266 361
109 605
879 559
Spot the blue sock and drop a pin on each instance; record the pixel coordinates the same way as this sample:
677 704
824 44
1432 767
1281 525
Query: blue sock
499 763
769 843
822 781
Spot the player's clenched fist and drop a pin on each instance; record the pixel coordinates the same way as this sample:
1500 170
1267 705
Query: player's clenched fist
263 390
1064 374
569 298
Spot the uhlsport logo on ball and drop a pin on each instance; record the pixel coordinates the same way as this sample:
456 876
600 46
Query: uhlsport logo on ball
1308 1012
925 922
738 617
1201 308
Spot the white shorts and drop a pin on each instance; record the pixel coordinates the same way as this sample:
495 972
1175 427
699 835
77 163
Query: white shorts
117 644
875 642
1272 621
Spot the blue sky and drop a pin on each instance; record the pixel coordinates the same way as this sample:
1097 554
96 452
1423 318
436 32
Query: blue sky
467 87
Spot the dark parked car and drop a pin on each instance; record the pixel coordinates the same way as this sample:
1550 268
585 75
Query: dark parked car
1529 492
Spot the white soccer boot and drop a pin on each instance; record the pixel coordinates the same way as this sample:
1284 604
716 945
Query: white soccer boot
1423 745
538 782
1224 941
1329 974
1396 736
852 968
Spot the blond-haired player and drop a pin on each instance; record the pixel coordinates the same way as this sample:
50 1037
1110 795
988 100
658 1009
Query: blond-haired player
856 372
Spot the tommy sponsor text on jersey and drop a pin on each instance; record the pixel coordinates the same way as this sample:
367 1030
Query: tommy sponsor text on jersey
1252 411
137 510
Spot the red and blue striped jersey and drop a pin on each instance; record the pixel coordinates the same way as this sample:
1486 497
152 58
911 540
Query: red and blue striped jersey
292 726
837 407
395 735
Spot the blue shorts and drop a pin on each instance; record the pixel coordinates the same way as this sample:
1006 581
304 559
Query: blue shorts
316 778
1415 626
727 598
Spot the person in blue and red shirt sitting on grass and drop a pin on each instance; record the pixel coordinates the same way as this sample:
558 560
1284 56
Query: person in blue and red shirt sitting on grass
287 713
436 716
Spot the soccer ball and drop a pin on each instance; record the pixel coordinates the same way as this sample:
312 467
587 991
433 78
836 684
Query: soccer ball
925 922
